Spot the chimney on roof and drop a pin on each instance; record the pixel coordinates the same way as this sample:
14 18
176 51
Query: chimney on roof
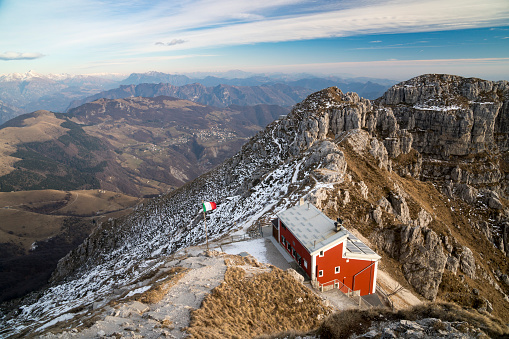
301 201
338 224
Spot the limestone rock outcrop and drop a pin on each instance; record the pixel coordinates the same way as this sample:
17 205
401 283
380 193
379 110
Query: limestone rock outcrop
420 251
467 262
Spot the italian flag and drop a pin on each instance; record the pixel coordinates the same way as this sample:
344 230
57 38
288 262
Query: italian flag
209 206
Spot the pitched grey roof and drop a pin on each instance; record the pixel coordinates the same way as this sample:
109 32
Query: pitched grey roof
315 230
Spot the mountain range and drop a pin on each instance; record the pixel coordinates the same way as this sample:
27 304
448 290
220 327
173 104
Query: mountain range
218 96
28 92
420 173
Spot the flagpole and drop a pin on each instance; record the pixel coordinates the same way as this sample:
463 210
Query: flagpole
205 221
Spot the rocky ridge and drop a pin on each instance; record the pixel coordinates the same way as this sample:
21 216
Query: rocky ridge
218 96
351 157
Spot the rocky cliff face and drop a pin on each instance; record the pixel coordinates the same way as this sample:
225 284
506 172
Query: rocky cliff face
458 125
386 167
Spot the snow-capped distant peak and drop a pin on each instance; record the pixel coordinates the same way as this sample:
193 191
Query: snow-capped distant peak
19 76
55 77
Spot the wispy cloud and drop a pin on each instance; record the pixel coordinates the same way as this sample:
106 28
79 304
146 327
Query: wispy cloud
208 23
7 56
130 29
385 17
171 43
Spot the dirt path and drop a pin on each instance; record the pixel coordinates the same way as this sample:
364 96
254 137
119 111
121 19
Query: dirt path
166 318
189 292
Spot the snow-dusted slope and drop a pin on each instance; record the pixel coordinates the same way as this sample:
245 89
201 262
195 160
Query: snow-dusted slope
270 173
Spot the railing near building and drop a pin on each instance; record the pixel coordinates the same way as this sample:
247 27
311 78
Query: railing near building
337 284
385 295
234 238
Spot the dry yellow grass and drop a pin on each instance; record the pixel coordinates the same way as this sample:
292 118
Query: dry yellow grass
87 202
30 197
24 228
245 307
41 127
30 216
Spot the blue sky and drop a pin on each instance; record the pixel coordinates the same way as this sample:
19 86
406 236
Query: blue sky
387 39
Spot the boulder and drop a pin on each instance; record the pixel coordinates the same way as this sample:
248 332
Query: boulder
345 198
456 174
400 207
423 219
385 205
467 262
466 193
379 152
364 189
452 264
376 215
318 197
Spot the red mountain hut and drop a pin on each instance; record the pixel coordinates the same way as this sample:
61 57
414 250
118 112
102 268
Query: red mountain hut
329 254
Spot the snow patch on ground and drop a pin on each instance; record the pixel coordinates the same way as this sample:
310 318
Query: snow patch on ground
138 291
63 317
254 247
437 108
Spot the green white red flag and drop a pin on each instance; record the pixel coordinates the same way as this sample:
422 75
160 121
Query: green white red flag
209 206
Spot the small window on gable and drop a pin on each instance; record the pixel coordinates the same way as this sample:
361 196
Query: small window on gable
320 273
305 263
336 270
347 260
321 253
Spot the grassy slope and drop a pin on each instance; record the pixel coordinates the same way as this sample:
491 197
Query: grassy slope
246 305
40 227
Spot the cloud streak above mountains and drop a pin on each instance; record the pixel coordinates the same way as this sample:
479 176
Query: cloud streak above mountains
82 32
393 17
7 56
